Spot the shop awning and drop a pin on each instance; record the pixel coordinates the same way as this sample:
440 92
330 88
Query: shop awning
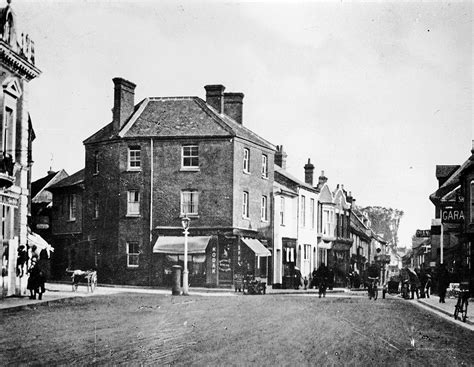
257 247
325 245
175 245
40 243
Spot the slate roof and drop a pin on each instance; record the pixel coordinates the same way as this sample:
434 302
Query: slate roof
178 117
290 177
73 180
39 184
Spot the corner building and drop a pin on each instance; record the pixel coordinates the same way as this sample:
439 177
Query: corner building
17 69
170 157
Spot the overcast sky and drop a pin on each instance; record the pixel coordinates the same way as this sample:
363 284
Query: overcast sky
376 94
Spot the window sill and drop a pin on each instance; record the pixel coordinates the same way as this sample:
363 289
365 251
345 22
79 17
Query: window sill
132 216
264 177
95 174
133 169
132 267
245 218
246 173
70 220
264 220
190 169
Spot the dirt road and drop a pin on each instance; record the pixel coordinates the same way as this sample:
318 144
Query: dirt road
143 329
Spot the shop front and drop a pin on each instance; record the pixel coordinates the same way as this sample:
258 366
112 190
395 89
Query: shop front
212 260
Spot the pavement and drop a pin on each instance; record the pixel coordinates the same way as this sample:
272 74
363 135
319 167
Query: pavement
58 292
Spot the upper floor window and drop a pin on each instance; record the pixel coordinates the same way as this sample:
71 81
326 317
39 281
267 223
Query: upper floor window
472 201
264 166
264 209
190 156
134 158
282 211
327 223
311 212
96 206
307 252
133 253
96 162
245 205
303 210
8 131
133 202
246 164
71 207
189 202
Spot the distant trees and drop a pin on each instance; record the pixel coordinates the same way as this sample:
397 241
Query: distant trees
384 221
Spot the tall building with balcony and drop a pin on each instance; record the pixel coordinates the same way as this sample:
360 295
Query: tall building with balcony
167 158
17 66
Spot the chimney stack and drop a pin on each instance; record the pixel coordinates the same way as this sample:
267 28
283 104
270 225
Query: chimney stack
308 172
215 97
124 102
322 179
280 157
233 106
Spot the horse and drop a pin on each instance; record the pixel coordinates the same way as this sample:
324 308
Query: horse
89 276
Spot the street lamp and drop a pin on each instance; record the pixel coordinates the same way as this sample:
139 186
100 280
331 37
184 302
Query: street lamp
185 223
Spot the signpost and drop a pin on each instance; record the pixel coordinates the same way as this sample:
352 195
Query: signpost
452 214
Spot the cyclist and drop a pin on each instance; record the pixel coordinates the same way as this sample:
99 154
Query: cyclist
373 276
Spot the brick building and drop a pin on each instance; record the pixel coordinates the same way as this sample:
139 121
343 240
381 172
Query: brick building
170 157
17 66
71 251
452 232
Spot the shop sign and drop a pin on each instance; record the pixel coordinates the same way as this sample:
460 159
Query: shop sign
423 233
214 260
454 214
9 200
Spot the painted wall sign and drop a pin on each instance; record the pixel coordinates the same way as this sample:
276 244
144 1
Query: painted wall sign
423 233
9 200
452 215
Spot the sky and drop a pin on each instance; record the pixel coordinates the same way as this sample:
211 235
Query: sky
376 94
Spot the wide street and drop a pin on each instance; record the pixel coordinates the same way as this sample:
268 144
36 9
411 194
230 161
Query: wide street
138 328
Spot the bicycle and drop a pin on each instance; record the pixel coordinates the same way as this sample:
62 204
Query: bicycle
463 301
372 289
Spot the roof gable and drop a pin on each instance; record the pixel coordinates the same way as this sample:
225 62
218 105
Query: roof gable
73 180
39 188
325 196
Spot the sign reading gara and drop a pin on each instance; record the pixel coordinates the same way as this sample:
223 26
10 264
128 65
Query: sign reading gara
452 214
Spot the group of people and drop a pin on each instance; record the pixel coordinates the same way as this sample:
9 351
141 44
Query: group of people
38 271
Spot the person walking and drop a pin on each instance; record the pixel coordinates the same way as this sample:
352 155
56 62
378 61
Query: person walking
428 286
443 282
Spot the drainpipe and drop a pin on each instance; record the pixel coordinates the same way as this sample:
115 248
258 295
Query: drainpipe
151 214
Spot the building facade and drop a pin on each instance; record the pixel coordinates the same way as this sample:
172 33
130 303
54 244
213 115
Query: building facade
172 157
17 65
295 225
452 229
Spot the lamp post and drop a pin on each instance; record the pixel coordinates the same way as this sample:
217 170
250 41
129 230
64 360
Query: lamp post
185 223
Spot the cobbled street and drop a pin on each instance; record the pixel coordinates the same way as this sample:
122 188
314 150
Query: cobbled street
144 329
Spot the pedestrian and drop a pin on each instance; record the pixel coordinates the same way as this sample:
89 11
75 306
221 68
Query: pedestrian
305 283
414 284
34 279
314 282
322 277
443 282
428 286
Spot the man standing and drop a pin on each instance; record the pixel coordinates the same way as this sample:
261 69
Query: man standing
443 282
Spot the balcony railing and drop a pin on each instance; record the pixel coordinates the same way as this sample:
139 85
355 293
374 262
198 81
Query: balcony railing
6 170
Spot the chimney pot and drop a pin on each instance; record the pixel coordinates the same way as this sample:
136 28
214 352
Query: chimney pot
215 96
322 179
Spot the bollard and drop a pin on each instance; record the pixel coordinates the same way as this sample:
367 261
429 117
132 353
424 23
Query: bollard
176 280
